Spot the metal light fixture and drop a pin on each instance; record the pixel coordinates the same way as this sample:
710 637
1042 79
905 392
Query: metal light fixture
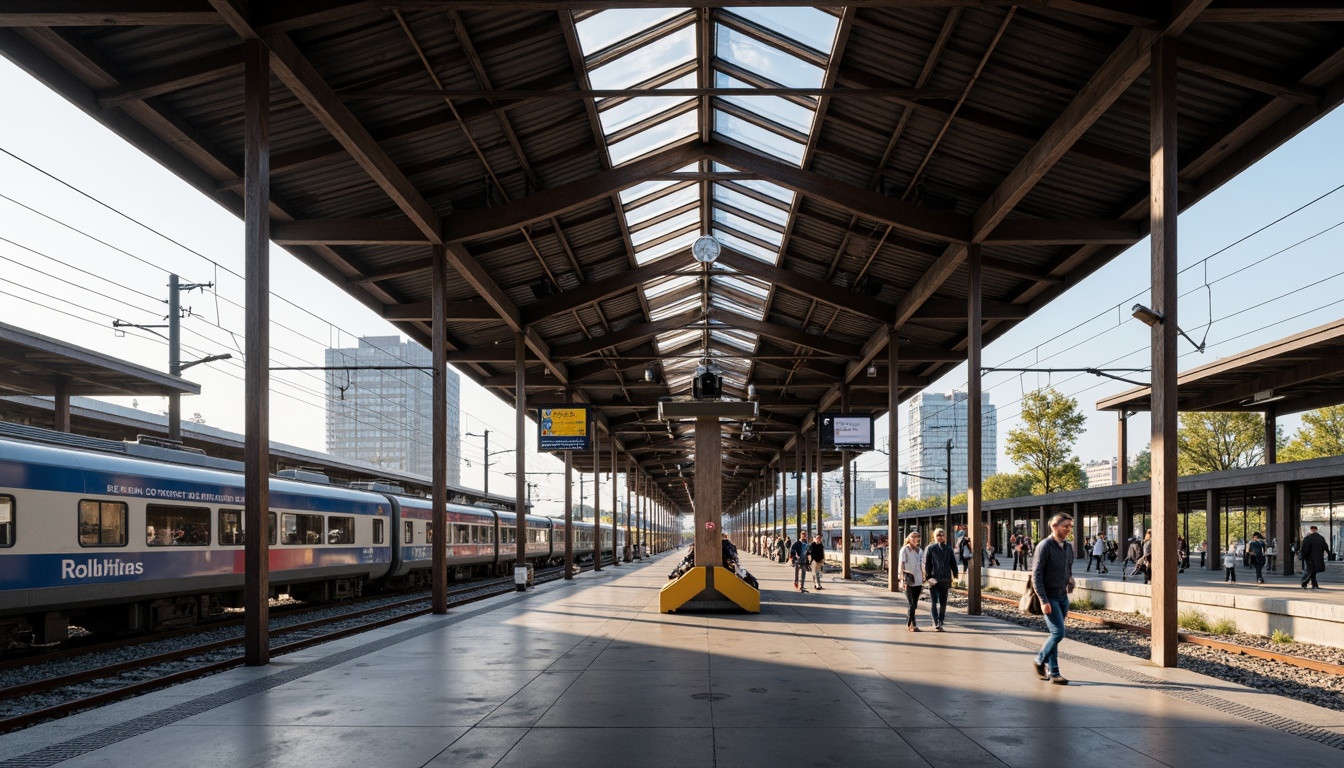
1148 317
751 391
1151 317
648 374
872 371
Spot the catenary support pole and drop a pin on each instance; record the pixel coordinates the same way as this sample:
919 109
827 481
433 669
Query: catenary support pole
256 389
174 356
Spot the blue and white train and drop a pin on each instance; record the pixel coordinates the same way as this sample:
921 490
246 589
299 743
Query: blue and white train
119 544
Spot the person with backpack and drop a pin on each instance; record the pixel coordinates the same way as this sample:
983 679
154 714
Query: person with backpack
964 551
816 559
798 556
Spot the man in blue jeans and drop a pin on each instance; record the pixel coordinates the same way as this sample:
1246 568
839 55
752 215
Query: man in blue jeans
1052 578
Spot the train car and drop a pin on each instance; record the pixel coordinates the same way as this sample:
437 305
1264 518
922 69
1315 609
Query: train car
541 538
122 544
471 544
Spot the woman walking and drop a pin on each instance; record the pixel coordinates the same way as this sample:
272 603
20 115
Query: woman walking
911 563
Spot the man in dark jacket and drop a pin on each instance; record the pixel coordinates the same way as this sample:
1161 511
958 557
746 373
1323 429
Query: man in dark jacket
1052 578
798 556
1312 550
940 568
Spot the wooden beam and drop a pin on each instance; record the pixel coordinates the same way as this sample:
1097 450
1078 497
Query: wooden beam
349 232
832 295
206 69
949 309
303 80
783 333
590 293
1066 232
628 335
1229 69
907 217
465 226
91 13
458 312
1264 12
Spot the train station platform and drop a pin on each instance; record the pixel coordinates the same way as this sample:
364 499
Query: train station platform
588 673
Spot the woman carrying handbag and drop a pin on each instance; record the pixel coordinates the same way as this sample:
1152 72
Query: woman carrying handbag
911 564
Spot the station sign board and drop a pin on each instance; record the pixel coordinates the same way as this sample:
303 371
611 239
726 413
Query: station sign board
564 428
846 432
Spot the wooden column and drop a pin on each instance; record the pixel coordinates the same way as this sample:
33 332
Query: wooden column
439 431
629 512
816 508
893 455
569 513
615 507
520 452
61 404
1271 436
799 455
1122 447
708 491
974 425
256 376
597 504
1285 528
1213 523
1162 153
1078 532
845 566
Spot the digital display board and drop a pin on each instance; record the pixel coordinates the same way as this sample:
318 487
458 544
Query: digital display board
846 432
564 428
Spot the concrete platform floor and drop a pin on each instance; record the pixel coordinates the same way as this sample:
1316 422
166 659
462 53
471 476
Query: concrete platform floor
589 674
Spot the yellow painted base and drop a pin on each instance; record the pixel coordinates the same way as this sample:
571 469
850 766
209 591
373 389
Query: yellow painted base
715 580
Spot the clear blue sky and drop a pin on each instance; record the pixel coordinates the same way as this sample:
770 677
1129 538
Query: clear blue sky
1291 280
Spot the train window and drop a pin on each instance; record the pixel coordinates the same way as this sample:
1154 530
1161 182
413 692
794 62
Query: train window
177 526
379 530
340 530
408 532
102 524
6 521
429 533
302 529
508 535
461 534
231 527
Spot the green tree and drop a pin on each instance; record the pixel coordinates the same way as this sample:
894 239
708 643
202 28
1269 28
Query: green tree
1042 446
877 514
1007 485
911 504
1212 441
1321 434
1142 468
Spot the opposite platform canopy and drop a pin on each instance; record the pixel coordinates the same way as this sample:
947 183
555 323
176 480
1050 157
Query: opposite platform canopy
33 364
566 154
1290 375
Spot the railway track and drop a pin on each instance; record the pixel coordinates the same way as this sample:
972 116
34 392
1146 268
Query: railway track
400 611
1184 637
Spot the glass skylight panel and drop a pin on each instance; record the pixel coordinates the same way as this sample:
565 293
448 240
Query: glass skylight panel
668 285
723 302
748 227
768 61
750 204
745 246
767 188
678 339
655 231
748 134
605 29
656 137
774 108
646 62
642 190
657 207
812 27
730 341
744 284
654 252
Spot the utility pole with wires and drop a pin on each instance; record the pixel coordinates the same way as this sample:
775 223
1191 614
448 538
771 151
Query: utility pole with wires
175 364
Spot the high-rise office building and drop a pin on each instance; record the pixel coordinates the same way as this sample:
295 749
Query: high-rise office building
1100 473
935 419
380 413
